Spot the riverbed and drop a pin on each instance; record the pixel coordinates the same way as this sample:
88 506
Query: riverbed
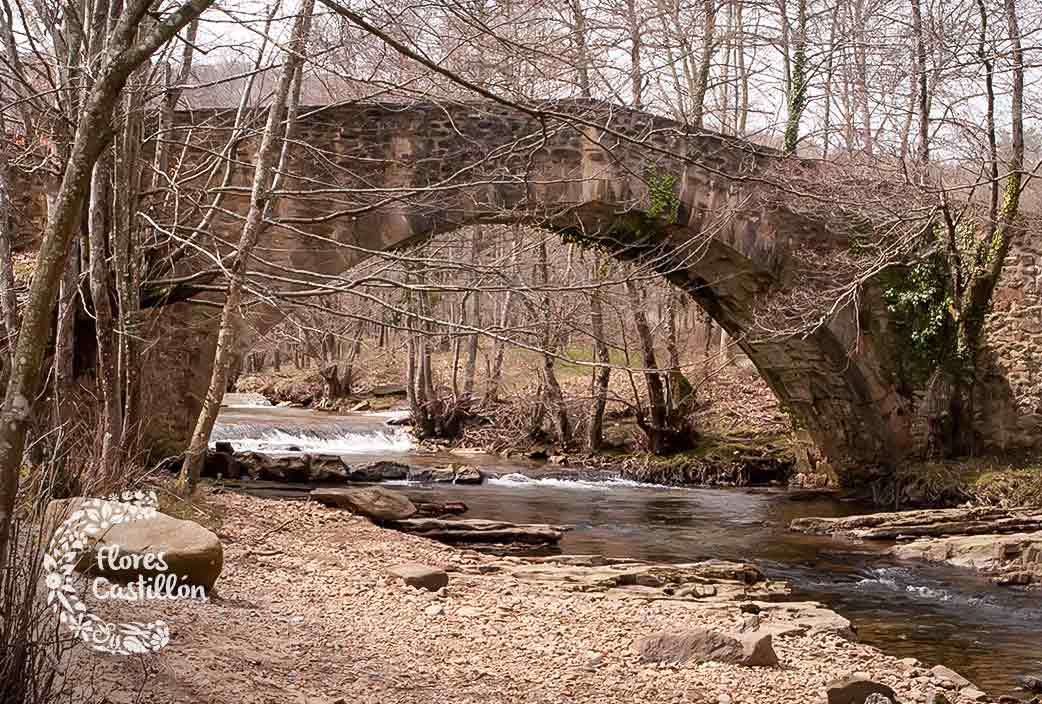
938 615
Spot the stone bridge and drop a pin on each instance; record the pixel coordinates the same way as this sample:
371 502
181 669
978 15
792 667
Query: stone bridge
365 178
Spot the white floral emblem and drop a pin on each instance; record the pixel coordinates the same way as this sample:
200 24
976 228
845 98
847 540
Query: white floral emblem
73 537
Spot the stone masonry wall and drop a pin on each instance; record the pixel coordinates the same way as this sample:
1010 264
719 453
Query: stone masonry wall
1009 401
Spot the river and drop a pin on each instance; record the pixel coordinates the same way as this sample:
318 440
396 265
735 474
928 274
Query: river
936 614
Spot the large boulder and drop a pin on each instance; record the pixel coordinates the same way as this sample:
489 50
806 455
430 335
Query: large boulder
371 502
856 689
189 551
703 645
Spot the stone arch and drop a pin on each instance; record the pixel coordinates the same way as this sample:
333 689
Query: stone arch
376 177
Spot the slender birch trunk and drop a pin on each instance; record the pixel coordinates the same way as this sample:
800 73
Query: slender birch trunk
260 204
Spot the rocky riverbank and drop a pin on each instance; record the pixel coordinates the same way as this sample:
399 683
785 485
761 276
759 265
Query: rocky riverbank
1005 544
312 608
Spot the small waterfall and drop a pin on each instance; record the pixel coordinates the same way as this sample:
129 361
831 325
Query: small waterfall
516 479
332 437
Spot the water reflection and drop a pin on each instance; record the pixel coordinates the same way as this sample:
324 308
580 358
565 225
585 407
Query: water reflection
938 615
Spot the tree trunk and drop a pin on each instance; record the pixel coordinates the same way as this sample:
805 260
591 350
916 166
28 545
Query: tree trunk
105 324
8 297
798 81
260 205
551 387
499 349
93 133
601 374
470 370
698 98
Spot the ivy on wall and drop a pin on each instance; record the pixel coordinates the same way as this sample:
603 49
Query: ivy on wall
664 202
920 301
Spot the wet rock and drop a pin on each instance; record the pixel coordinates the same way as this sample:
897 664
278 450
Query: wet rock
856 689
538 453
432 475
703 645
420 576
221 462
326 468
371 502
1032 683
446 475
379 471
189 551
468 475
273 467
435 509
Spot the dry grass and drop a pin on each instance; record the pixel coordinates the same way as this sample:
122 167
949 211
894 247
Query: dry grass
1005 481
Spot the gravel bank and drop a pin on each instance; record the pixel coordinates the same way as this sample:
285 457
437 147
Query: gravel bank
305 613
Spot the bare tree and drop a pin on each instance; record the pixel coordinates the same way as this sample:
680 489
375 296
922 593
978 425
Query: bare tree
287 93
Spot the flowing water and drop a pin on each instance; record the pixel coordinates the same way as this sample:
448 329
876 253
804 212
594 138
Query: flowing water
936 614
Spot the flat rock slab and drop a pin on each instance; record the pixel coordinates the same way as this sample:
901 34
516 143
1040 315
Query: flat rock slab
712 582
420 576
371 502
983 552
858 690
805 618
926 523
189 551
703 645
945 674
482 531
